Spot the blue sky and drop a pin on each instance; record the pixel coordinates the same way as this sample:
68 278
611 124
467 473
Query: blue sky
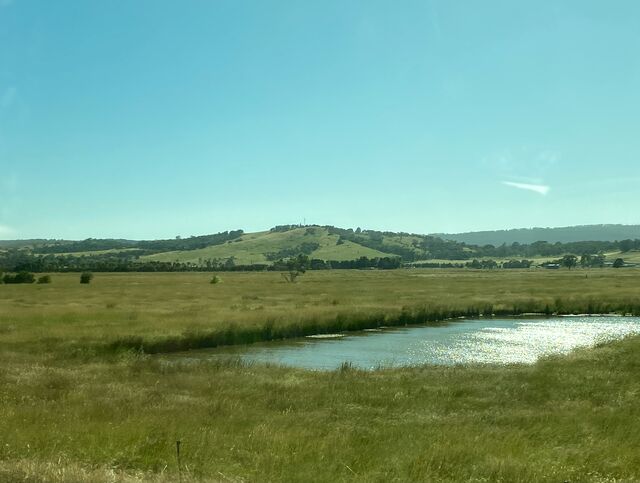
153 118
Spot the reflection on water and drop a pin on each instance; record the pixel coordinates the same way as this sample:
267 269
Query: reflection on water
471 341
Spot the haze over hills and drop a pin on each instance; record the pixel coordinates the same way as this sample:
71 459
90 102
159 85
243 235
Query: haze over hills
565 234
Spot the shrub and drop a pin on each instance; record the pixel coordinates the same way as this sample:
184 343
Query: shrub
44 279
215 279
20 277
86 277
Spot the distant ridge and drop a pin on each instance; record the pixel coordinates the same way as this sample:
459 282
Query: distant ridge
565 234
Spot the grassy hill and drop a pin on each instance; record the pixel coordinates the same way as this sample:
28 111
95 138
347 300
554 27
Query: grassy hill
266 246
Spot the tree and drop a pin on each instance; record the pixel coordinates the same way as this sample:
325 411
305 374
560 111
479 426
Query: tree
598 260
569 261
618 263
296 267
474 264
626 245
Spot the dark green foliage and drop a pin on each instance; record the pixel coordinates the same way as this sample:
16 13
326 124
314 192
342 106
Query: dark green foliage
229 263
144 246
86 277
283 228
215 279
306 248
628 245
517 264
384 263
427 247
44 279
191 243
90 244
569 261
317 264
437 265
545 249
296 267
485 264
20 277
592 261
619 262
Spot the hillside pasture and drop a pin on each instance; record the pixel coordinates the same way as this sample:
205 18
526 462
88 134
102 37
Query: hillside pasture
253 248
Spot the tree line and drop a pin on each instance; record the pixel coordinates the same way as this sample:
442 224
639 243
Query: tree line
142 247
23 261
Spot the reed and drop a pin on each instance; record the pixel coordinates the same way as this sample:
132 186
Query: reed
234 334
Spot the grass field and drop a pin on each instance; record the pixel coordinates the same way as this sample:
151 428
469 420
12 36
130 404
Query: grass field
71 410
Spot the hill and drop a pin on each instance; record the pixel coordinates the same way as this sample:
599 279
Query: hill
319 242
552 235
269 246
324 247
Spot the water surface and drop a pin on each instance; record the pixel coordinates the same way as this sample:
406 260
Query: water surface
502 341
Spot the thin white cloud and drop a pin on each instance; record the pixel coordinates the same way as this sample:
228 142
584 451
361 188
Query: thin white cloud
541 189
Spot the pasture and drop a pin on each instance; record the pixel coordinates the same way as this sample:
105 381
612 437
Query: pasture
79 404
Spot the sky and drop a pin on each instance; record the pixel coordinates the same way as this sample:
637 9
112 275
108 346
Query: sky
156 118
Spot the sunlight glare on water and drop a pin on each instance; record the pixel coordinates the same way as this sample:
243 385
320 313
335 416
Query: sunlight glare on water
501 341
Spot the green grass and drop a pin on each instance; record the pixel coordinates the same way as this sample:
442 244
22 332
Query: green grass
70 412
157 306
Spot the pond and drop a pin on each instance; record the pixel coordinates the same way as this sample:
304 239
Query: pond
493 340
